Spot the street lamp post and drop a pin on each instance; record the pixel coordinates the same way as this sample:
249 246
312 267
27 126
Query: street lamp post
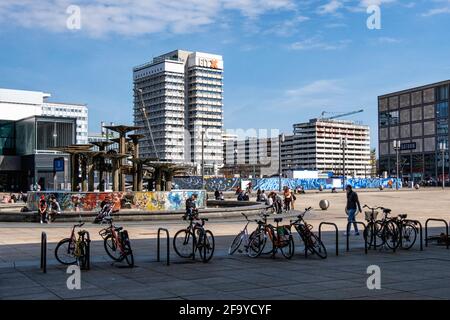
397 146
343 142
203 159
281 139
442 148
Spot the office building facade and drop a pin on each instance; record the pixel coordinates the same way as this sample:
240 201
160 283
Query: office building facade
320 145
250 157
20 104
30 127
418 119
182 93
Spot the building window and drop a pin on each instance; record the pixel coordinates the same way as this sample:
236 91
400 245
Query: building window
442 128
442 93
389 118
442 110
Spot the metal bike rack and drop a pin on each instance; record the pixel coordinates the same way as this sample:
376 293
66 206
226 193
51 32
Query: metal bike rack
348 234
44 252
337 234
159 244
420 232
426 230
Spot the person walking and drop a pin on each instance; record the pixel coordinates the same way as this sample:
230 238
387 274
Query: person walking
287 198
352 205
43 209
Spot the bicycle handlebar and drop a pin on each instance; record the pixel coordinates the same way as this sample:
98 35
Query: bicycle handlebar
374 208
79 225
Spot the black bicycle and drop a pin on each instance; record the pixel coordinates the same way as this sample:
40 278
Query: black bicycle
408 231
380 233
311 241
194 238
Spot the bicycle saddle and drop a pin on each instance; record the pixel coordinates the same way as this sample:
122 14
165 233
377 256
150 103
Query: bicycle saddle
204 219
402 216
118 228
278 219
387 210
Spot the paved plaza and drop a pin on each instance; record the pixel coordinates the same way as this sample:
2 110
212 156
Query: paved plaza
412 274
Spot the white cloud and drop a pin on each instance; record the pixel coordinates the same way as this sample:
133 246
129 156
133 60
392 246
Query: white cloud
317 43
444 9
320 93
287 27
330 7
131 17
388 40
364 4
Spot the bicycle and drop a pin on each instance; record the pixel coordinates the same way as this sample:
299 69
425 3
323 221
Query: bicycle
408 231
386 230
194 238
117 242
280 237
252 243
372 225
311 241
74 250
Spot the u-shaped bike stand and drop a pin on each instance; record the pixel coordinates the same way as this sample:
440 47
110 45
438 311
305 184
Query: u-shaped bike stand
158 257
446 230
337 234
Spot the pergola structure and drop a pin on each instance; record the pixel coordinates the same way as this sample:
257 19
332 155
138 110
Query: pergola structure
122 130
102 145
84 162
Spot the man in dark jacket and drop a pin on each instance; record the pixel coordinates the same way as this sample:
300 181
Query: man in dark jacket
191 206
352 205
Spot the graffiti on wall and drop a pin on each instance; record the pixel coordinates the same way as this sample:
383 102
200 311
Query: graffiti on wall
211 184
223 184
145 201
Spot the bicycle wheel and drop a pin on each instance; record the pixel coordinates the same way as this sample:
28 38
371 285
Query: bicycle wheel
82 259
256 243
288 250
409 235
391 235
236 243
317 246
206 246
268 235
182 243
373 230
126 244
111 248
64 252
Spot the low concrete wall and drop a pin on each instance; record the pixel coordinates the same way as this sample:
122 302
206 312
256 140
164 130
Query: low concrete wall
226 210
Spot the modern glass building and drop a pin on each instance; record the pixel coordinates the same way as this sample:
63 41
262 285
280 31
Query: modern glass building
418 118
26 155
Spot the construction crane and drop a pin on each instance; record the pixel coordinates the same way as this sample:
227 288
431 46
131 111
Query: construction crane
322 117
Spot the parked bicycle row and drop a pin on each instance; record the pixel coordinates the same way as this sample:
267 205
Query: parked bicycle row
266 238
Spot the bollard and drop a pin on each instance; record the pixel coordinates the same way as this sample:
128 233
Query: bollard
44 252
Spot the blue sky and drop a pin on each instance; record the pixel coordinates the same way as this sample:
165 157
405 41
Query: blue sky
285 61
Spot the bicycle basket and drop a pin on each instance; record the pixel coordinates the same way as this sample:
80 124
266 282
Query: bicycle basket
104 233
371 215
